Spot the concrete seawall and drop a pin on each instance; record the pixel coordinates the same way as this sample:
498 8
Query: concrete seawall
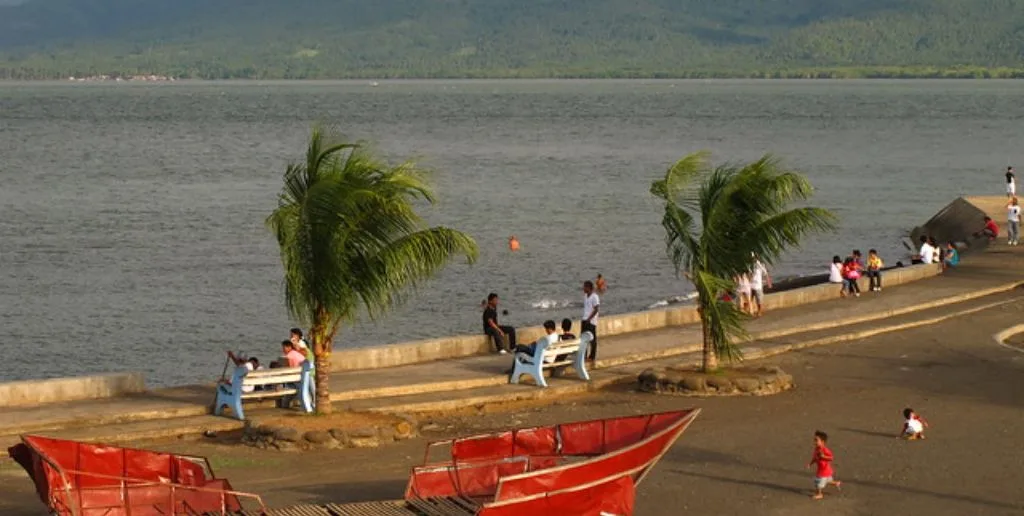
414 352
34 392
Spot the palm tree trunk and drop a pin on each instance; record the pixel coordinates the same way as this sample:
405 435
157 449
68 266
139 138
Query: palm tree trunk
709 360
322 381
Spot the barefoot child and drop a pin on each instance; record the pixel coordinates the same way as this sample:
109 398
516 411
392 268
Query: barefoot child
822 458
913 425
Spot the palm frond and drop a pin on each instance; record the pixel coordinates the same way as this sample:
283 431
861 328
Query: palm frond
717 220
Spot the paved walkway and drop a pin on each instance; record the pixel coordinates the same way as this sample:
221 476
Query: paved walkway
998 267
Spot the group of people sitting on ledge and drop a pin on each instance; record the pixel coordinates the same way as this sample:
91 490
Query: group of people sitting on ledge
504 337
848 271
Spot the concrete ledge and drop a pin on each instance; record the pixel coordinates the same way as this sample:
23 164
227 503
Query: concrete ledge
35 392
415 352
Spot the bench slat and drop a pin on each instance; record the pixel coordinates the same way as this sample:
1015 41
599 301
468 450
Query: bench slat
277 371
291 378
269 394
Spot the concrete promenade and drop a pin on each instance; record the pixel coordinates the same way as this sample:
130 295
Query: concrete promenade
984 279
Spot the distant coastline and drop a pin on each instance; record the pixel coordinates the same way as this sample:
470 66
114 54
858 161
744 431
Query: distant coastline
823 73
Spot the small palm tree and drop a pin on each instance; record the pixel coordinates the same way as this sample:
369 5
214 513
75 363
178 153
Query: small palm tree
717 220
351 240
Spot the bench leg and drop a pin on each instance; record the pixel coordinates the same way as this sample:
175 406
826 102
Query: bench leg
538 373
219 403
581 366
236 408
517 371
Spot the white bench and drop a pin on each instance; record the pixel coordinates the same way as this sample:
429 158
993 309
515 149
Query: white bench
286 383
545 356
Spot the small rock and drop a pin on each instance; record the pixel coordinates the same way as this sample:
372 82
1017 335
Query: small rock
267 429
364 432
386 433
404 430
341 436
285 446
251 423
721 383
286 434
364 442
694 383
747 385
329 445
317 436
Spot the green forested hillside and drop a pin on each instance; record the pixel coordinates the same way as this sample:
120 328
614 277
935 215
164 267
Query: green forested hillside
510 38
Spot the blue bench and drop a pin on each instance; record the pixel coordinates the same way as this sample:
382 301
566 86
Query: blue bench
551 356
285 383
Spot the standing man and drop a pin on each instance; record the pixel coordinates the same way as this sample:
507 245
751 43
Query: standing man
1013 222
758 279
1011 183
591 304
504 336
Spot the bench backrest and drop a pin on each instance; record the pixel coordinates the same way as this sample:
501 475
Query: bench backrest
563 347
273 376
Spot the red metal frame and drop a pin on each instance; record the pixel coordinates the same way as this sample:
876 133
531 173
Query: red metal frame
82 479
530 470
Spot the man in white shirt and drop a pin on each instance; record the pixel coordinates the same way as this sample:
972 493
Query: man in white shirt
926 254
550 337
758 279
591 304
1013 222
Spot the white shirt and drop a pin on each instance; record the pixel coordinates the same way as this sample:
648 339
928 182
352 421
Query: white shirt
835 273
1013 213
590 303
927 253
248 388
743 284
914 426
757 276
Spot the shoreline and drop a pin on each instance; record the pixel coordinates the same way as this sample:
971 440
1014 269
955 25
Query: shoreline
375 81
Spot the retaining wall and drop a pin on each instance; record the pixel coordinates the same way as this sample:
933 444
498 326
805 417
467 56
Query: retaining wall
34 392
467 345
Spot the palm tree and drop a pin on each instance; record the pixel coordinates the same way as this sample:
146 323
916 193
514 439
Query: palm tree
717 220
351 240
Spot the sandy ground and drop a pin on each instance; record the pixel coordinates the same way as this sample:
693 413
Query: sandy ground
746 456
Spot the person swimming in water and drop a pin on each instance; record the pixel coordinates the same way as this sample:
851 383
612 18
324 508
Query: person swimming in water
600 284
513 243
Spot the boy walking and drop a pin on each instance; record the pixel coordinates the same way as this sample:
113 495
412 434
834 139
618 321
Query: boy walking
822 459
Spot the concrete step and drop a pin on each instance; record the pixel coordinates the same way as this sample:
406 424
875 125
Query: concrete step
114 433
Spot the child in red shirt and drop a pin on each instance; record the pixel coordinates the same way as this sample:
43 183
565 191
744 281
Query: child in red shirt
822 458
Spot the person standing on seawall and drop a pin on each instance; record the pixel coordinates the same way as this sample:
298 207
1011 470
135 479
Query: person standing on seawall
1013 222
1011 183
759 278
591 304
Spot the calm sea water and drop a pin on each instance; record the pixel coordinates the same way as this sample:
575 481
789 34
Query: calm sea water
131 216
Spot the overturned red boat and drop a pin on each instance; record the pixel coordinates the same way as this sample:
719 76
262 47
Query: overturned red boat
83 479
589 467
581 468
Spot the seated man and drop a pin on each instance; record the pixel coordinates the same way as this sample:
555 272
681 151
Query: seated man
567 333
250 364
551 337
291 355
504 337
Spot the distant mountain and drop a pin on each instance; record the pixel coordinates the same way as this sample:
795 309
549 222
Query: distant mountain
508 38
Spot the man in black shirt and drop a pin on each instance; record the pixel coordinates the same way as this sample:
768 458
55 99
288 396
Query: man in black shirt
504 336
